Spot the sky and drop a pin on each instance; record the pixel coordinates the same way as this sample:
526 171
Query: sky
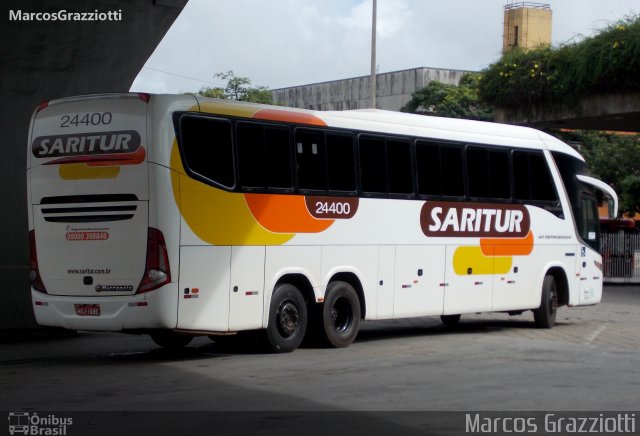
282 43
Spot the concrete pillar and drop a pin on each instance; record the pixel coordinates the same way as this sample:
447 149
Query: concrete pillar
48 60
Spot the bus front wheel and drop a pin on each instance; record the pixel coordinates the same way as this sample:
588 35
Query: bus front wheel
545 315
341 314
287 319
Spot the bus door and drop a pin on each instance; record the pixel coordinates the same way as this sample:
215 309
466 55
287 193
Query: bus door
589 263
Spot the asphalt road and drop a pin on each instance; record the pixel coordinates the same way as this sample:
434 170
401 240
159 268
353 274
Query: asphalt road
590 361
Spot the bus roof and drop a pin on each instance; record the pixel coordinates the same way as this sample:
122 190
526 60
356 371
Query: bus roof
453 129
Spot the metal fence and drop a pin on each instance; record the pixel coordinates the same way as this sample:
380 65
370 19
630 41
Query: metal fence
620 257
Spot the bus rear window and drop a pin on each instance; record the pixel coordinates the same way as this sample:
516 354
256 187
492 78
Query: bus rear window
207 149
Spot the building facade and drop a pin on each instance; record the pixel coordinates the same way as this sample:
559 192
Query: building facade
393 90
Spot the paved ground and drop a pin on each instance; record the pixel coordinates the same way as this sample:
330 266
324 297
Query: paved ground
589 361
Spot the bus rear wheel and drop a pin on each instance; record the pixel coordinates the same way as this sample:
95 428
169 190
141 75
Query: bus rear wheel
545 315
340 314
171 340
287 319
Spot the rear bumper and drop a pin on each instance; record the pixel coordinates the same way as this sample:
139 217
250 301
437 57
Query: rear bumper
152 310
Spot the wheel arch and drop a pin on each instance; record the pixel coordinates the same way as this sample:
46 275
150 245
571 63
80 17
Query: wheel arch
301 282
353 280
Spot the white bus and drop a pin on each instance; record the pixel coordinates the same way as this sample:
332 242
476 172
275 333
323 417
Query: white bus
178 216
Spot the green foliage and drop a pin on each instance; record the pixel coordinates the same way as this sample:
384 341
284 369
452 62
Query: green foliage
237 88
443 100
615 159
605 63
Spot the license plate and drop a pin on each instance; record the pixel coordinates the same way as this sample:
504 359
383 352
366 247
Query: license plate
88 309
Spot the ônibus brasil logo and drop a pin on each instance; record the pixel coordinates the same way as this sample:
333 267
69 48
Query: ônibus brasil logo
27 423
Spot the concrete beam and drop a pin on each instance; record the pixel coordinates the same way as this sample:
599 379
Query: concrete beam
615 112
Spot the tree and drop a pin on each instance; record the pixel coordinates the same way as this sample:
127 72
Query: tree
237 88
444 100
615 159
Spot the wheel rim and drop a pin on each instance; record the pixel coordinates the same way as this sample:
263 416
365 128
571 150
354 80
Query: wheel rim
341 315
288 319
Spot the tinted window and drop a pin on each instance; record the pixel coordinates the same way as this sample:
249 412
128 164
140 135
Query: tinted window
373 164
532 177
478 172
542 186
251 155
428 168
399 167
311 159
263 156
341 162
499 174
452 171
278 151
207 150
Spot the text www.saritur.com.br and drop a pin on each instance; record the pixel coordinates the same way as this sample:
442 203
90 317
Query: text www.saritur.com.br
89 271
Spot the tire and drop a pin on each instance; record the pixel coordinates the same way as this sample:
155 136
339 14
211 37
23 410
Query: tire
340 315
287 319
170 340
450 320
545 315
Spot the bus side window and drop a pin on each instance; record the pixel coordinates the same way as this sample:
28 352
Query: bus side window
311 159
399 166
264 157
251 155
207 150
341 162
428 168
453 176
278 157
533 181
478 172
499 178
373 164
543 188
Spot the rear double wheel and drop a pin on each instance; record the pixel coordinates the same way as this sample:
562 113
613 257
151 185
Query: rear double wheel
287 319
340 315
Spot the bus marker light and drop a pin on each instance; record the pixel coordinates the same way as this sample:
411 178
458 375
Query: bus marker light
139 304
251 293
42 105
40 303
195 290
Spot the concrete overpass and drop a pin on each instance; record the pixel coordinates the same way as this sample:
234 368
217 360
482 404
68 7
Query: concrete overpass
615 112
43 60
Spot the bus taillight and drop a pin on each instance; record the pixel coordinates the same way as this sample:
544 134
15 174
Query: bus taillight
34 272
144 96
157 272
42 105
